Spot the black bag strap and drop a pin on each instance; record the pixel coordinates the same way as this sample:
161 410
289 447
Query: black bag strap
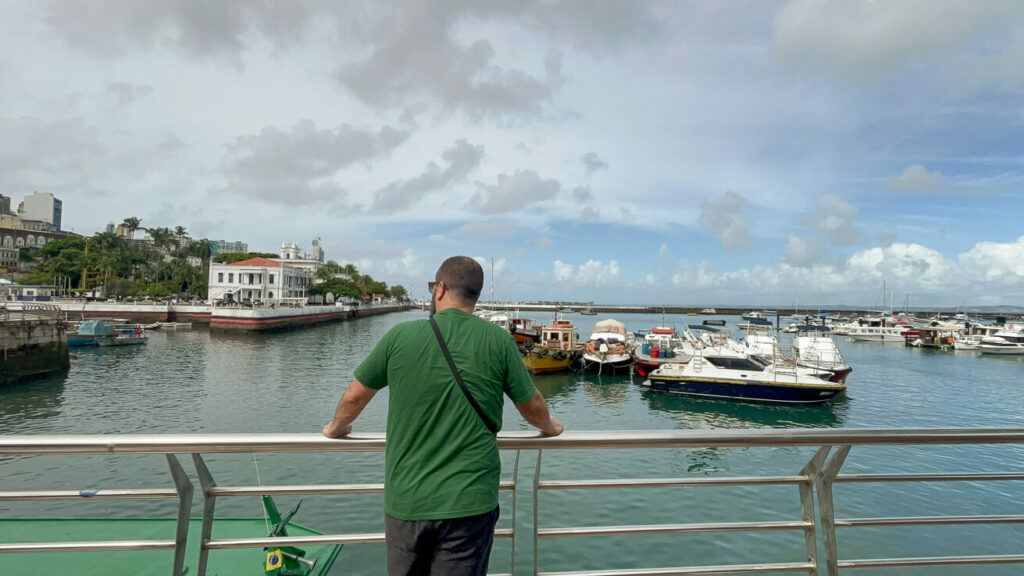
458 379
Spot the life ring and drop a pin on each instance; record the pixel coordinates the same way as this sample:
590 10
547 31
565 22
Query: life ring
565 346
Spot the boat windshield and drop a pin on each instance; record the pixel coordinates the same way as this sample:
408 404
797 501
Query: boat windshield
748 364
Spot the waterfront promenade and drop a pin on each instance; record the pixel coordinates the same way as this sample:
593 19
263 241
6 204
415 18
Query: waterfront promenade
207 383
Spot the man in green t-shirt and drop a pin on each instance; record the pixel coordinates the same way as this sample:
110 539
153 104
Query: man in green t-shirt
442 468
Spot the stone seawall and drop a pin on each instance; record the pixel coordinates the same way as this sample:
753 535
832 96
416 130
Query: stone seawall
273 319
32 348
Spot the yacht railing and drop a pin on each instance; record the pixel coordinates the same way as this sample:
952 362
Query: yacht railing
818 524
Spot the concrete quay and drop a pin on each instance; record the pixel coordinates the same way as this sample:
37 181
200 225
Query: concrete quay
33 342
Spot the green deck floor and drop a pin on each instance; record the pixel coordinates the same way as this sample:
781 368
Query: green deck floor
235 562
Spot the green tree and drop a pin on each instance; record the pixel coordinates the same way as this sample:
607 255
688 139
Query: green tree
398 292
132 224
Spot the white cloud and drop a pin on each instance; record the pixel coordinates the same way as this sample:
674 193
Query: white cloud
592 273
835 219
487 230
592 163
997 263
970 44
512 193
803 253
721 217
917 178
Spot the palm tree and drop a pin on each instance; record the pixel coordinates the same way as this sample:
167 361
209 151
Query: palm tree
181 234
132 224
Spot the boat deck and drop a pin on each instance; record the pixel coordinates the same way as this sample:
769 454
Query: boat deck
229 562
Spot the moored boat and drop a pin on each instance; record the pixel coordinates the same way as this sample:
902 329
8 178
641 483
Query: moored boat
609 349
91 333
558 348
821 353
659 346
719 374
1003 342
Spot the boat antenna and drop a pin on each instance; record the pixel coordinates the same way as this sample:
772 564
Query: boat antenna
492 279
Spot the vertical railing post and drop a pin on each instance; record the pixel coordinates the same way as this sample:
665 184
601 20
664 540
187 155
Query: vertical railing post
536 525
515 489
828 514
811 472
184 488
206 482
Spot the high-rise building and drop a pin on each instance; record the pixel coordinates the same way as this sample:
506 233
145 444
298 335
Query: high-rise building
5 204
225 247
41 206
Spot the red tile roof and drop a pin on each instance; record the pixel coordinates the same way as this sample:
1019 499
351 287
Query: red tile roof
265 262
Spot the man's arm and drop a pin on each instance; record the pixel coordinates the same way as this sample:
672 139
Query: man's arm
535 411
356 397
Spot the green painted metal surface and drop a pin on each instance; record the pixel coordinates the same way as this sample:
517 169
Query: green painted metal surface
235 562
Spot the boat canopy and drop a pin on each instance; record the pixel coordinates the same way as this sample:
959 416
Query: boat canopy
613 326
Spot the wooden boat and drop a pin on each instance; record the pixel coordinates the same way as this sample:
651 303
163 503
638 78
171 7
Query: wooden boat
659 346
523 329
558 349
91 333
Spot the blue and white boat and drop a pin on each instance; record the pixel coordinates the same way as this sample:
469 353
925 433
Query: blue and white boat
723 372
91 333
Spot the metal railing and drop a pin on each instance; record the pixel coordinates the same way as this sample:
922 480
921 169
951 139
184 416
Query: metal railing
819 476
24 311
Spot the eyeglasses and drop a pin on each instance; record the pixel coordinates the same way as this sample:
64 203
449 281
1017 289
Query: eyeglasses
432 285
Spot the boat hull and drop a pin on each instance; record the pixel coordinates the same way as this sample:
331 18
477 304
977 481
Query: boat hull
608 364
747 391
986 349
541 361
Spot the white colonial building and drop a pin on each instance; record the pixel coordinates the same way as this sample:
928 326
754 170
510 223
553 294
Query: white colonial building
264 280
276 281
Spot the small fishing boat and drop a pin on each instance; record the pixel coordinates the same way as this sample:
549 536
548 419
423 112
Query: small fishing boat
709 311
523 329
558 349
126 337
91 333
588 311
659 346
609 349
821 353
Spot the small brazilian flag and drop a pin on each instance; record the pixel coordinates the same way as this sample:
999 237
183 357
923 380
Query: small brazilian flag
274 560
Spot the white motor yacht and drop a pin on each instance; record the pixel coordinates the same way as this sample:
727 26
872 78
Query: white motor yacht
1003 342
878 329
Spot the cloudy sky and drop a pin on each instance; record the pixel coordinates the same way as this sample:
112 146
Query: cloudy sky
705 153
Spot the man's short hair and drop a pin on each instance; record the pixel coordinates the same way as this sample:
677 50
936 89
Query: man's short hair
463 276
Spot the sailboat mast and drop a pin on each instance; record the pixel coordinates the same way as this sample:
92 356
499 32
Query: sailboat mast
492 280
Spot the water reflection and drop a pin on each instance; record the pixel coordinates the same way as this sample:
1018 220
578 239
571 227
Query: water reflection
701 414
22 404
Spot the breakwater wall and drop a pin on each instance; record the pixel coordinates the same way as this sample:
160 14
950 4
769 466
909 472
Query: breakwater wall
273 319
33 342
138 312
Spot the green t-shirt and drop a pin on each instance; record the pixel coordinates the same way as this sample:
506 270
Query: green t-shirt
441 460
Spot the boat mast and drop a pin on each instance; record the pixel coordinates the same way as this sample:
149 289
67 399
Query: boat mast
492 280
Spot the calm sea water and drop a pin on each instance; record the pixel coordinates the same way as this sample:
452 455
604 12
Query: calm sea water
198 381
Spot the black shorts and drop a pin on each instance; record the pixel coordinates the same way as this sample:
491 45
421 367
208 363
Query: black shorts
457 546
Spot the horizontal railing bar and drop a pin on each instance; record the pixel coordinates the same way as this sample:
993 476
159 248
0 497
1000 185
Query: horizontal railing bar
318 540
695 570
370 442
927 520
954 477
932 561
88 494
314 489
122 545
670 482
672 528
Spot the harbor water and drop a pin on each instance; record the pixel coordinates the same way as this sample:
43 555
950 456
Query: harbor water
202 381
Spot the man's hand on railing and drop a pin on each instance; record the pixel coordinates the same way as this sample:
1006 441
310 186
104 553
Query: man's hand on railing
554 429
333 430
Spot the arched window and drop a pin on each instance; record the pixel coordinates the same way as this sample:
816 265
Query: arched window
270 295
30 240
8 242
40 241
19 243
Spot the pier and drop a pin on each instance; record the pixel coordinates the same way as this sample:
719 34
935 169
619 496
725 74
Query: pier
246 318
34 343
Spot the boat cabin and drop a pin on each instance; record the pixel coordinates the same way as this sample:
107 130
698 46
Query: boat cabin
562 335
